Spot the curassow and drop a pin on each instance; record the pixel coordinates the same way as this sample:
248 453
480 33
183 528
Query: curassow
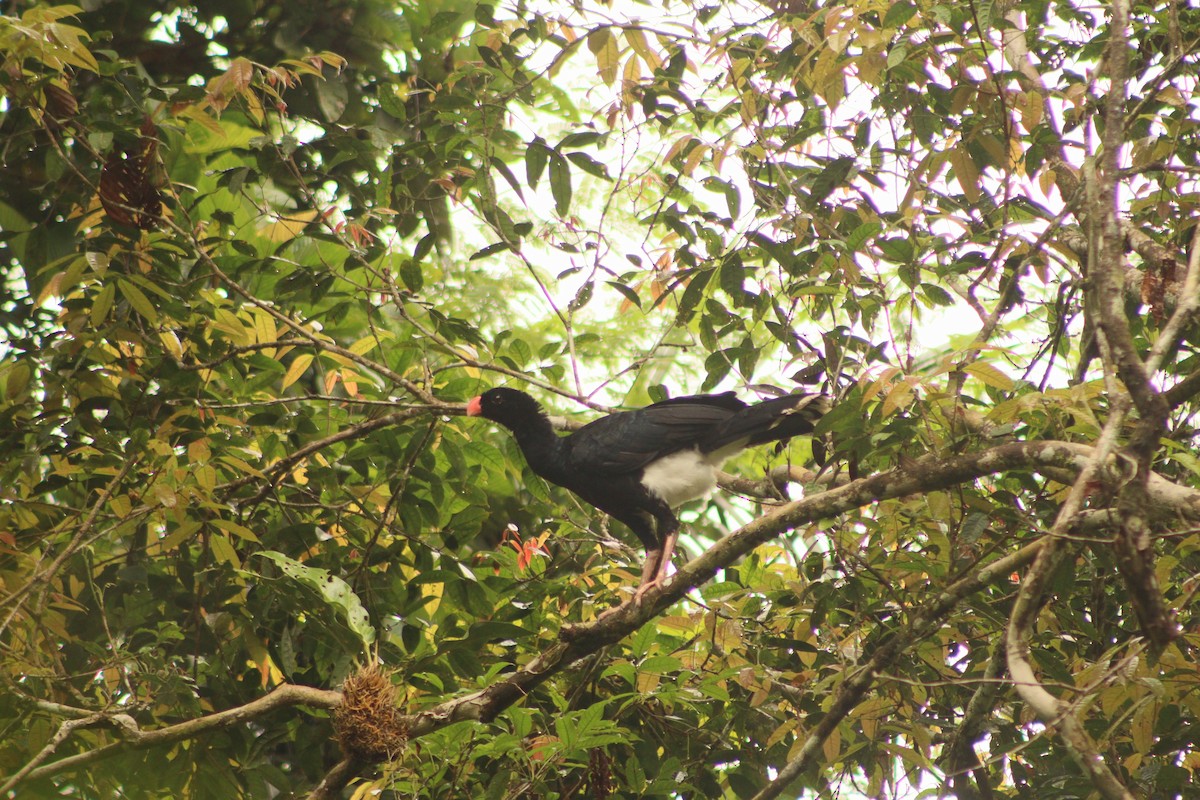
637 466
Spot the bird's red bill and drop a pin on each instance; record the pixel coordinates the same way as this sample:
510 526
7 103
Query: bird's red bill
475 406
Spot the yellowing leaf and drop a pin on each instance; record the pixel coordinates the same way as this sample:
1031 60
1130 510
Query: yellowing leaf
206 478
678 147
790 724
367 343
265 329
648 682
18 379
873 388
236 529
68 46
965 172
898 397
223 551
604 47
832 745
104 301
287 228
138 300
228 322
961 97
120 505
165 495
694 158
297 368
172 343
989 375
994 148
637 40
1046 181
238 464
1031 110
631 76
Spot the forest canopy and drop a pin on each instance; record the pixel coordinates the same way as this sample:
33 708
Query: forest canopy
257 257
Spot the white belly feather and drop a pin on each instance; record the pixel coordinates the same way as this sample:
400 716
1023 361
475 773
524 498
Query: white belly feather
681 476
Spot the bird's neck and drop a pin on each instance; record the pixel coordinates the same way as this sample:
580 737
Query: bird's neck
538 441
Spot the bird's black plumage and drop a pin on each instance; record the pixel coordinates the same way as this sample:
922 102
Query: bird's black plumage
638 465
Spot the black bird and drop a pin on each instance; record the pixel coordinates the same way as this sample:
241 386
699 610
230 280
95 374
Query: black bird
638 465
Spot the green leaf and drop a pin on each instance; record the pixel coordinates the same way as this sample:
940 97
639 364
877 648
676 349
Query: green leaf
937 295
733 196
627 292
582 297
733 278
503 169
223 551
560 183
589 165
693 294
411 274
580 139
832 177
138 300
102 305
424 246
491 249
898 14
896 249
863 234
333 590
536 156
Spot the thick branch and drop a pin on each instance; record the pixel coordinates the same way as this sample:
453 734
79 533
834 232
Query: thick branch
136 739
330 787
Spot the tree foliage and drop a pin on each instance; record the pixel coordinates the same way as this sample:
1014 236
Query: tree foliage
257 256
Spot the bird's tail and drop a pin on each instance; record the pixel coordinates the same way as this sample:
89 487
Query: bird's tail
769 421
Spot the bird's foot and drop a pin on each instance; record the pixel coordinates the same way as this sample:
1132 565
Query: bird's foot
638 595
608 612
640 592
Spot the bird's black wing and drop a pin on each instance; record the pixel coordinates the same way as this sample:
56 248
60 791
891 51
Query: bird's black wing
772 420
627 441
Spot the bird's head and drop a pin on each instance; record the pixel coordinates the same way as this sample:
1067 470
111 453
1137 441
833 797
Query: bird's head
509 407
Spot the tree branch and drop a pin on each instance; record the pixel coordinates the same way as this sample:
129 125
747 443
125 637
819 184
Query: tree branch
926 474
285 465
960 751
929 473
1025 611
46 575
136 739
330 787
850 693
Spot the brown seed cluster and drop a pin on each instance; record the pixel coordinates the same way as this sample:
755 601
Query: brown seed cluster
367 722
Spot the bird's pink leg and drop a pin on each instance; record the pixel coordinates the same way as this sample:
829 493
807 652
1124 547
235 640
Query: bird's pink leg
654 571
650 567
